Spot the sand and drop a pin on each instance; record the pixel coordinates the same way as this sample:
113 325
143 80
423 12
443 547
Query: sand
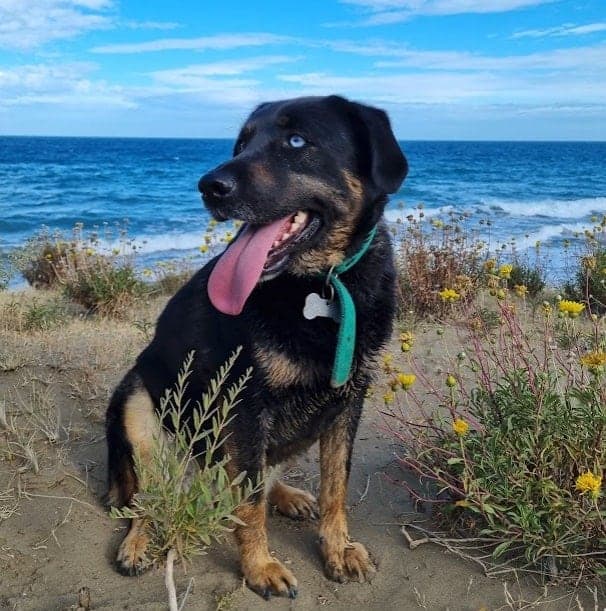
60 538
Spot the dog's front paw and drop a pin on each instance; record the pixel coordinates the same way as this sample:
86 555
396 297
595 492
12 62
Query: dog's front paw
271 578
293 502
350 563
132 554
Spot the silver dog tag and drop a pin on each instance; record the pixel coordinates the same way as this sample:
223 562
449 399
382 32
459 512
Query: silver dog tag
316 306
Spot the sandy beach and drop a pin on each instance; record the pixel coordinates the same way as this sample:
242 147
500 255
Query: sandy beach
56 537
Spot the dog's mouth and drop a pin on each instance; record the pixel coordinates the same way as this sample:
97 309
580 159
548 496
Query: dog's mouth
260 252
298 229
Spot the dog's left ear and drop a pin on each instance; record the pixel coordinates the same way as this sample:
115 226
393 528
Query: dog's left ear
388 166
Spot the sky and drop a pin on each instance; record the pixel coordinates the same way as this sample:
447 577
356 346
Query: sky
442 69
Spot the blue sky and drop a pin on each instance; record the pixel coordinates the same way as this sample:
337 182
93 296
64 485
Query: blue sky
443 69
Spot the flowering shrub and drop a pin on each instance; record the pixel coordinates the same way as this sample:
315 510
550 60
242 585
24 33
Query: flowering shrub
510 447
438 263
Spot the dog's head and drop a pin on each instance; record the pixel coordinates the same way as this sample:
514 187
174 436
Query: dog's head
308 177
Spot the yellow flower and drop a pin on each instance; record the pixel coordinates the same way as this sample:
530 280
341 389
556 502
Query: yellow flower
520 290
546 306
89 252
407 336
406 347
594 360
505 271
463 503
406 380
451 381
589 482
589 262
449 295
389 397
204 248
570 308
460 427
490 265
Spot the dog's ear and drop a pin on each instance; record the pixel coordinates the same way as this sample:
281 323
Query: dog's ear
388 166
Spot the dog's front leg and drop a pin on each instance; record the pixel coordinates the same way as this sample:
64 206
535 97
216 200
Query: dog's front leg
343 559
264 574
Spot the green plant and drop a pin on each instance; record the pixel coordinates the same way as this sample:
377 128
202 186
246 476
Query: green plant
43 315
589 283
103 285
433 256
42 258
530 277
187 497
514 455
167 277
5 272
101 280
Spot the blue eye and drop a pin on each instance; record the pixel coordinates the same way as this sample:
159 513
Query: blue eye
297 141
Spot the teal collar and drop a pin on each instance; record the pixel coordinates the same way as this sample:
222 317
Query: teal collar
346 337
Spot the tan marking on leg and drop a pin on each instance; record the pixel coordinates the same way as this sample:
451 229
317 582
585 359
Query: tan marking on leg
343 560
141 423
132 558
142 429
282 371
293 502
263 573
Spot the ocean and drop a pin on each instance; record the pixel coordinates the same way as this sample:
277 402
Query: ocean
147 189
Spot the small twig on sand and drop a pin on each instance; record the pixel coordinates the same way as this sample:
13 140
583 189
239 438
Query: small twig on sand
169 580
412 543
364 494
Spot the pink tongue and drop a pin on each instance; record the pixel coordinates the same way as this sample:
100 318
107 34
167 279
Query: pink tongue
237 272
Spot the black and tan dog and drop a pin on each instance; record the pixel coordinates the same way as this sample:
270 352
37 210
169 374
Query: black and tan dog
309 178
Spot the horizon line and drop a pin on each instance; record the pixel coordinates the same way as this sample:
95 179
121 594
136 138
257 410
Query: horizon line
227 138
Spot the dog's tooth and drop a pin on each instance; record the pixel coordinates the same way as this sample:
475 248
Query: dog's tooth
276 243
285 236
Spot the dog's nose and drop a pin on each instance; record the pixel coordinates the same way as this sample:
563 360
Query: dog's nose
216 186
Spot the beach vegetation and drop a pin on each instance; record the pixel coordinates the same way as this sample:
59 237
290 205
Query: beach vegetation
588 283
438 263
509 451
186 496
103 281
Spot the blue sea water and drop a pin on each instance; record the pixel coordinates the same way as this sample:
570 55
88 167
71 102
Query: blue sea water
545 191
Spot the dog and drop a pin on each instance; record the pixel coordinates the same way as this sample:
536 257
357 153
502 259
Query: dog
309 178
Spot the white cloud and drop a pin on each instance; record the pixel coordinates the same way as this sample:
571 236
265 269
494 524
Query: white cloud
481 87
66 85
584 59
394 11
216 42
150 25
27 24
567 29
190 76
